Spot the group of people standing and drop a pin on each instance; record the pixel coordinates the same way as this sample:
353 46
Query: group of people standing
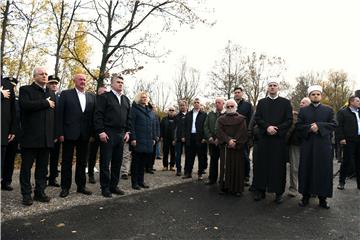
76 119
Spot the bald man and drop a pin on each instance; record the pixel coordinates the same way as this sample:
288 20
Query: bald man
75 127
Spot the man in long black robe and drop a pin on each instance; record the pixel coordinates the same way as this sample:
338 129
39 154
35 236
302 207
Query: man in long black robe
316 124
273 117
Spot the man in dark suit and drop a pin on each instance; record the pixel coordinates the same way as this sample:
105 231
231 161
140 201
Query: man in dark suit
53 85
75 126
112 124
179 132
348 133
8 127
37 104
195 141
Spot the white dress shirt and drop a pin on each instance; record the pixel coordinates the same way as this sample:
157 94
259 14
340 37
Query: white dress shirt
193 128
82 99
356 112
117 95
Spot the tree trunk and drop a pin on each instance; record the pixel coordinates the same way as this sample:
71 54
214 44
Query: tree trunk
3 36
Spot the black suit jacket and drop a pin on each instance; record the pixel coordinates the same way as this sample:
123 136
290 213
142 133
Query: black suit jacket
37 117
347 125
8 113
72 122
199 124
112 116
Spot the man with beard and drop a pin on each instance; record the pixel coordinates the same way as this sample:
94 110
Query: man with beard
273 117
231 134
316 124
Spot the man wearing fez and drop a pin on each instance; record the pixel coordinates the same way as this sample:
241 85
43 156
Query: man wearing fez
348 133
273 117
37 110
53 85
112 125
316 124
75 125
8 128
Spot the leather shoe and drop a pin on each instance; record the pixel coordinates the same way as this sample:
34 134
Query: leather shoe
304 202
41 197
186 176
106 194
341 186
279 199
84 191
149 171
238 194
27 200
324 204
7 187
53 183
136 187
178 174
144 185
92 179
117 191
210 183
64 193
259 195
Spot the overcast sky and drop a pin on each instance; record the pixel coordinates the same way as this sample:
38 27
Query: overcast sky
311 35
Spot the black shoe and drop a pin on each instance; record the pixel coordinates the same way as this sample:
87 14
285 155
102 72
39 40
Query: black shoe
64 193
341 186
158 157
84 191
92 179
278 199
41 197
223 191
53 183
27 200
106 193
136 187
259 195
178 174
210 183
117 191
144 185
124 176
149 171
186 176
304 202
7 187
324 204
238 194
252 188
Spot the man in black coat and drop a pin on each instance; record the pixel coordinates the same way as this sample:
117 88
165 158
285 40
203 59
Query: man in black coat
52 84
8 127
179 132
37 110
244 108
112 124
195 142
348 133
75 127
167 132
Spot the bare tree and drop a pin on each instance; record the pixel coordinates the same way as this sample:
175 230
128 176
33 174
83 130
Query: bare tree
186 83
119 27
5 17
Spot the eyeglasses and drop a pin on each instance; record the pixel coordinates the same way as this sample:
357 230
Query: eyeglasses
231 106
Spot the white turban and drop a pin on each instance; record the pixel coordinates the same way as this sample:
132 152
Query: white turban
273 80
314 88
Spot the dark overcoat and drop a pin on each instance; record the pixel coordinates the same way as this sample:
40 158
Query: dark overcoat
8 113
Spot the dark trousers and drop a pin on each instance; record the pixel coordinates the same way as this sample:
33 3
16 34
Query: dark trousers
3 152
54 161
91 161
68 147
179 146
111 153
351 153
195 149
168 147
7 169
214 162
41 158
137 167
246 160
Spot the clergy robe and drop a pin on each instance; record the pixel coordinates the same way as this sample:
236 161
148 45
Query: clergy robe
232 169
270 166
316 167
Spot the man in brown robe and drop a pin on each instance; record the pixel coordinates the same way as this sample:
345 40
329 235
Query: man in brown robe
231 132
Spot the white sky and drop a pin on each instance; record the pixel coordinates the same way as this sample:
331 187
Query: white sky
311 35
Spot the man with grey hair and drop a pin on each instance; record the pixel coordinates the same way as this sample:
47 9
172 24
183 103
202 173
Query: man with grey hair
211 138
37 110
294 141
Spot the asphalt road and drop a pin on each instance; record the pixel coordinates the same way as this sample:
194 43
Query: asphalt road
195 211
